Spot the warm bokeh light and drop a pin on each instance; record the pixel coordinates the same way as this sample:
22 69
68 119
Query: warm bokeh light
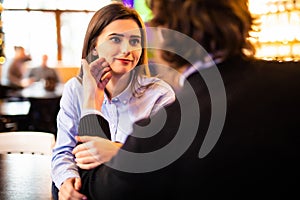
2 60
279 35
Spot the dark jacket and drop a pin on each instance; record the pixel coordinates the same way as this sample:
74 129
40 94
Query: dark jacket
257 135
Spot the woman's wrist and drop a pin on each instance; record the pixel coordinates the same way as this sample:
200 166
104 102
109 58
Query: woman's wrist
90 102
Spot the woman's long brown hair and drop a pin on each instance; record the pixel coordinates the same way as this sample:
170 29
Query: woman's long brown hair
102 18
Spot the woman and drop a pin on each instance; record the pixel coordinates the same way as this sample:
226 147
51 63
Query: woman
114 47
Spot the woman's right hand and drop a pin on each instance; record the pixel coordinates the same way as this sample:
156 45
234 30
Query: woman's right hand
95 77
70 190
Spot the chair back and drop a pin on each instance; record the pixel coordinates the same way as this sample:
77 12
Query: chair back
27 142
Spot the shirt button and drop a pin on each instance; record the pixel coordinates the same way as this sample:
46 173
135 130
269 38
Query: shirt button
115 100
124 102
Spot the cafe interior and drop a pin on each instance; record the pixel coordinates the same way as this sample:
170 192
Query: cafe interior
56 28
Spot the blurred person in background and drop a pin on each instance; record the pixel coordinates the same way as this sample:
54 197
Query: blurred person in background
18 68
44 74
247 142
43 71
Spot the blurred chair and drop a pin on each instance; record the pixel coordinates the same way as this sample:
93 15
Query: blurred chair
4 91
14 115
7 124
27 142
42 114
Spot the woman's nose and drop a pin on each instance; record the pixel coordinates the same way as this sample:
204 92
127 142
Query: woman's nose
125 47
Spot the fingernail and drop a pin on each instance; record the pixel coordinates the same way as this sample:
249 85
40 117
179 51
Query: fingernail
84 198
104 64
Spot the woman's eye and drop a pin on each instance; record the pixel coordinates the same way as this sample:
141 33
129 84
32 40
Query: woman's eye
135 42
115 39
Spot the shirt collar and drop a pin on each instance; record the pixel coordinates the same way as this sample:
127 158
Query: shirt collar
197 66
123 97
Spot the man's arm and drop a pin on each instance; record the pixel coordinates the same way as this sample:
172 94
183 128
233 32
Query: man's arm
119 178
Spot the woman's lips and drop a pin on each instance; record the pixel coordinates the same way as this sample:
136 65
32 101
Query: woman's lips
125 61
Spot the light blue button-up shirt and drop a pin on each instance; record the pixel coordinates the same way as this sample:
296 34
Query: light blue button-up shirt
121 112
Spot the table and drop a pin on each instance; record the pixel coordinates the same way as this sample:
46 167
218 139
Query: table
37 90
33 108
25 176
44 106
14 108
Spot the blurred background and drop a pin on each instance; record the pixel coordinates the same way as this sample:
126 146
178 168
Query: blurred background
57 28
54 30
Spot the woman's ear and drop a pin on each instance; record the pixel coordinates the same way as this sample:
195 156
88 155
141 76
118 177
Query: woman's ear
94 52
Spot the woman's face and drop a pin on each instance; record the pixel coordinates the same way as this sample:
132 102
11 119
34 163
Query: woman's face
120 43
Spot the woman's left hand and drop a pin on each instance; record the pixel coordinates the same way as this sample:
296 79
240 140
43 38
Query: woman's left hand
94 151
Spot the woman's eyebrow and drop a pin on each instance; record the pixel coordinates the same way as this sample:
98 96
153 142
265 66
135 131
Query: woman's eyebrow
135 36
123 35
116 34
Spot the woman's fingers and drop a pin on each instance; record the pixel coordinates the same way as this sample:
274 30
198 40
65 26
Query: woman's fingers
100 72
99 69
84 153
106 74
87 144
94 151
88 166
88 159
85 138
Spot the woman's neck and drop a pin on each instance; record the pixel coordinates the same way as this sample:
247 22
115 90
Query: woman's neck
117 84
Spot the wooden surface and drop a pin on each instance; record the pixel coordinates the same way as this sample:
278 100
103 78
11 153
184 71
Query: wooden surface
25 176
66 73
